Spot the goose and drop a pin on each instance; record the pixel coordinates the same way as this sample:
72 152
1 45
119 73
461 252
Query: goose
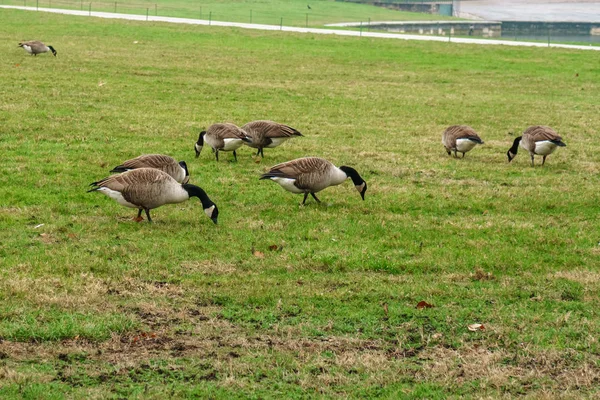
177 170
310 175
267 134
149 188
460 138
221 137
537 140
35 47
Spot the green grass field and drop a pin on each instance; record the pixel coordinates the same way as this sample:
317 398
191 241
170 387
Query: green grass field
94 305
272 12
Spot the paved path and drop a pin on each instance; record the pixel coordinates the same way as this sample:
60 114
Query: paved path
533 10
300 30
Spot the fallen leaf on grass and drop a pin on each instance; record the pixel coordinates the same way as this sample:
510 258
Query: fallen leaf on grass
273 247
101 84
476 327
257 254
423 304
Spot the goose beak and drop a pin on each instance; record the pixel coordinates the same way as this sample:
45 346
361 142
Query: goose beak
362 188
213 213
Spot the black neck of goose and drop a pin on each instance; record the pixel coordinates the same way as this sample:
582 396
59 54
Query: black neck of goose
183 165
52 50
201 138
515 147
352 174
196 191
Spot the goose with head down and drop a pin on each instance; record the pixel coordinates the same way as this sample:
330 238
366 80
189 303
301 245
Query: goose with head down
267 134
537 140
310 175
177 170
35 47
148 188
460 139
221 137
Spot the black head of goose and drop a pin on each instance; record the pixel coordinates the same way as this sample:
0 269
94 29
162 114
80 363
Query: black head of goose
269 134
148 188
178 170
537 140
35 47
310 175
221 137
460 139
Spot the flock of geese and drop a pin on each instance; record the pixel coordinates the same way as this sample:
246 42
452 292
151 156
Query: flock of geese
150 181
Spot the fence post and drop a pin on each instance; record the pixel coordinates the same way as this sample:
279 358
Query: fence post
369 26
37 4
155 10
307 20
360 28
81 5
250 16
209 17
115 7
548 36
147 13
90 10
281 24
200 12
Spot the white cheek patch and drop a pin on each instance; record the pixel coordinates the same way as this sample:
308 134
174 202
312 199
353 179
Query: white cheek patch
208 211
198 148
360 187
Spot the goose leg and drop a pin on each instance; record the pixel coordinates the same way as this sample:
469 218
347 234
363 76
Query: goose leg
139 216
532 163
315 197
463 155
262 152
543 160
449 152
234 156
455 154
305 196
217 154
147 214
258 153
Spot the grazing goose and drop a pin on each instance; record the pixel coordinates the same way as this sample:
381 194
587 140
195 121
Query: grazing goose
460 138
177 170
311 175
221 137
267 134
35 47
537 140
148 188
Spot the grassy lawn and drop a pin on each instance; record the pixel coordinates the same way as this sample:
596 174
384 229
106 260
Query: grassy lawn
94 305
272 12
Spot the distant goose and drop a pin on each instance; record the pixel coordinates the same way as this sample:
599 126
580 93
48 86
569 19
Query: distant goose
460 139
35 47
221 137
267 134
177 170
148 188
537 140
311 175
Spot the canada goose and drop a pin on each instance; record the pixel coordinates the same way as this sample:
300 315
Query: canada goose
267 134
537 140
460 138
221 137
177 170
35 47
311 175
148 188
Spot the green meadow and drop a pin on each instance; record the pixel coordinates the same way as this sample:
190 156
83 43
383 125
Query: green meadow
279 300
